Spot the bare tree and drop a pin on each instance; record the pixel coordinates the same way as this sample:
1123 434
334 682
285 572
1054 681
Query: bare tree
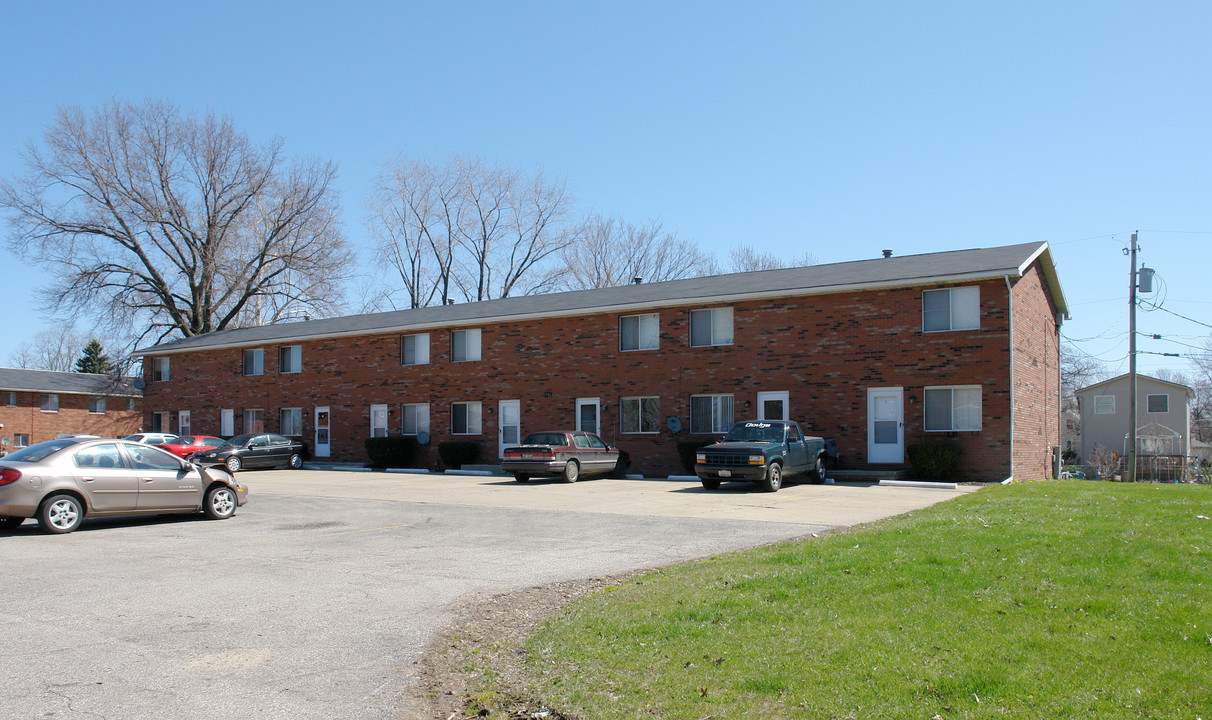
1077 370
175 224
744 258
611 252
54 349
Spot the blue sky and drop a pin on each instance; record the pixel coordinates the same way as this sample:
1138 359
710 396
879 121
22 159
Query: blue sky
836 129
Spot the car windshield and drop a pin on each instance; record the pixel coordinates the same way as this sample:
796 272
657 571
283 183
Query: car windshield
239 440
762 432
39 451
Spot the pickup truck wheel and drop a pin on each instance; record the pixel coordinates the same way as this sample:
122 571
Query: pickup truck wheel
818 472
774 478
710 484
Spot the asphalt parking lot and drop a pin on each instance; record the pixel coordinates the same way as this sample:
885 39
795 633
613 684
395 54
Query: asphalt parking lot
317 598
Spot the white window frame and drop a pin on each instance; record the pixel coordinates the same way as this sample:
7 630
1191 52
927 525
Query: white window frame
290 359
470 351
1104 404
20 440
639 401
49 402
290 422
96 405
257 355
472 418
254 421
160 369
722 412
378 421
1149 403
420 349
184 425
719 327
960 397
416 414
647 332
962 312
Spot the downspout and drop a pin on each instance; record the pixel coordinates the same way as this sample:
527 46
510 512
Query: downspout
1010 332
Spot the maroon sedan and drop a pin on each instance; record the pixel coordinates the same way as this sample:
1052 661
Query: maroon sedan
567 455
187 445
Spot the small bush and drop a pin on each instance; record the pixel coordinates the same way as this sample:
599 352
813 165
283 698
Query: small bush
934 461
393 452
687 449
457 453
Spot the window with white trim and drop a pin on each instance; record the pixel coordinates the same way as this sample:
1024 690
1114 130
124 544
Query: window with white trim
1157 403
465 418
159 369
1104 404
11 398
50 402
710 414
96 405
254 361
414 418
951 409
130 403
951 309
711 327
290 421
639 332
378 421
254 421
640 414
290 359
414 349
465 345
20 440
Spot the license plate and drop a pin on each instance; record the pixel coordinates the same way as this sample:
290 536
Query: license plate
725 473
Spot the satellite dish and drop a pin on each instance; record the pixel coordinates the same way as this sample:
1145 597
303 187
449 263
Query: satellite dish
423 437
675 425
139 383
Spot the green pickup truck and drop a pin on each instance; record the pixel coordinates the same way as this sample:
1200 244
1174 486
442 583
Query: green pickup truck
762 452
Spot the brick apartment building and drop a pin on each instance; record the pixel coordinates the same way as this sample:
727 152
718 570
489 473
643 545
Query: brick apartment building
879 354
37 405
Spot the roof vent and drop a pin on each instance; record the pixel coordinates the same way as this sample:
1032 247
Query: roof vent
450 301
637 279
887 252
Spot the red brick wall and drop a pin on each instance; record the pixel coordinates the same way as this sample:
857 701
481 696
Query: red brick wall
26 417
826 351
1036 378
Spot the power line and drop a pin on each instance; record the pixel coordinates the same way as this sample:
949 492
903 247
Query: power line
1184 317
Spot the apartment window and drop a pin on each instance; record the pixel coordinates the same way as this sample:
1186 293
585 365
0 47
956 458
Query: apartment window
50 403
290 359
711 327
415 419
710 413
290 421
20 440
1104 404
254 421
254 361
160 422
159 369
96 405
949 409
639 332
183 423
951 309
130 403
1158 403
378 421
465 418
465 345
640 415
414 349
11 398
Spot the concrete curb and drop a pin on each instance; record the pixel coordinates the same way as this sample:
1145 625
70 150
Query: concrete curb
920 484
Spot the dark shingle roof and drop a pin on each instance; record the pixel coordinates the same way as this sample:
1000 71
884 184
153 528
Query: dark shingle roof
67 383
909 270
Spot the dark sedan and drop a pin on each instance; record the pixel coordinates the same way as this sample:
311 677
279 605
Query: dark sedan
567 455
252 451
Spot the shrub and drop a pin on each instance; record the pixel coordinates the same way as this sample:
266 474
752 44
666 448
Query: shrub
686 451
934 461
393 452
457 453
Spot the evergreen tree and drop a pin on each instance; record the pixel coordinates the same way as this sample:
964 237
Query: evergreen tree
94 360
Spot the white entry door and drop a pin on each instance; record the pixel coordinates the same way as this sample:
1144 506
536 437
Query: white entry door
885 425
323 441
773 405
227 422
588 411
509 425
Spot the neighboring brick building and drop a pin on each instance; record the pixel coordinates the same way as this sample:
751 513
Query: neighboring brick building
37 405
960 346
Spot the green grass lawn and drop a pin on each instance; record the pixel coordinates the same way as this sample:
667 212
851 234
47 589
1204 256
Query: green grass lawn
1046 600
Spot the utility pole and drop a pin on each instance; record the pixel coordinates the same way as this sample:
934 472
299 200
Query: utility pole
1130 475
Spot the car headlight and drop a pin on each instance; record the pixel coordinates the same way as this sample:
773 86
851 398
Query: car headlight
701 458
757 460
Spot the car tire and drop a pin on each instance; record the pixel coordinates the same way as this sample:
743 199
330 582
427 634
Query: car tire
60 514
232 463
521 477
710 484
10 523
220 503
295 462
572 472
818 471
774 478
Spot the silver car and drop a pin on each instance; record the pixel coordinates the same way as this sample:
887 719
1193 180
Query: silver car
60 482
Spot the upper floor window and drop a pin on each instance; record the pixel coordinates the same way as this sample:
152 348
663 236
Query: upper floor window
640 414
710 413
96 405
711 327
159 369
130 403
290 359
951 309
10 398
1158 403
639 332
50 403
1104 404
465 418
414 349
949 409
254 361
415 419
465 345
